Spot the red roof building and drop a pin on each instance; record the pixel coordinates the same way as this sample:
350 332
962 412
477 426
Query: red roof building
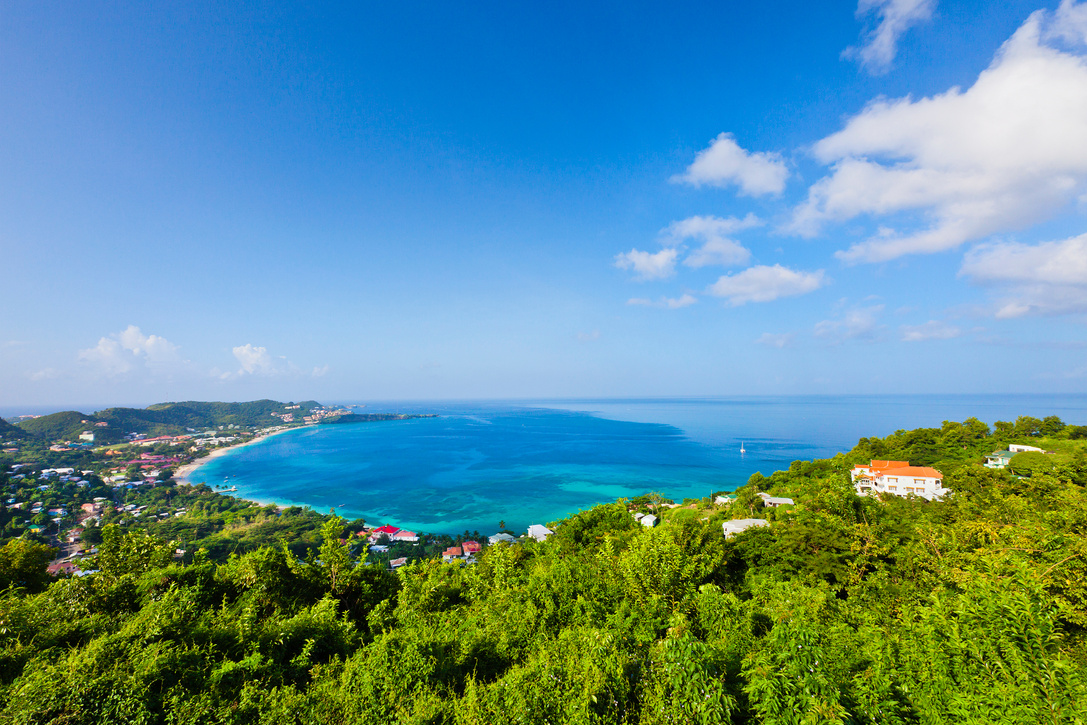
453 552
471 547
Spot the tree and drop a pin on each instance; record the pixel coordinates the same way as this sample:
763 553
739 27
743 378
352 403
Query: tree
1026 425
131 552
1052 425
24 563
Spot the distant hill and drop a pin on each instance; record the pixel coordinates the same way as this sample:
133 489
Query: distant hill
158 419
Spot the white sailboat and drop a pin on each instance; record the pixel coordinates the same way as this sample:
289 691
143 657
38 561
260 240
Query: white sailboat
742 451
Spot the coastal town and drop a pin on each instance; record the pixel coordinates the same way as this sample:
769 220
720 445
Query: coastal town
62 491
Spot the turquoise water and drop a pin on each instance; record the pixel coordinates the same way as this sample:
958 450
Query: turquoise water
534 462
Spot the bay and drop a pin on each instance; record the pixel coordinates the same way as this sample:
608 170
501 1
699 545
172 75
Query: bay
524 462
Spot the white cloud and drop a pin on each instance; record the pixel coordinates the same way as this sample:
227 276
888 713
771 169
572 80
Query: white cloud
647 266
724 163
1009 151
764 284
320 371
1069 23
122 352
1046 279
881 43
931 330
859 323
588 336
717 248
778 340
254 360
668 303
45 374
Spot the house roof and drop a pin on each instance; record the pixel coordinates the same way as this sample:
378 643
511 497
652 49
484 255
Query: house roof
900 468
453 551
386 529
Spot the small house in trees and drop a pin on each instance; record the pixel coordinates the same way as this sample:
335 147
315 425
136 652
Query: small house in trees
1001 459
775 501
736 526
471 547
500 537
386 530
539 532
453 552
898 478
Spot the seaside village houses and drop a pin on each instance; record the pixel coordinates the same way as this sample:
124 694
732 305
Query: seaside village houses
899 478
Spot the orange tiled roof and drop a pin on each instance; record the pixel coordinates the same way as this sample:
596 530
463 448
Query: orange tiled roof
901 468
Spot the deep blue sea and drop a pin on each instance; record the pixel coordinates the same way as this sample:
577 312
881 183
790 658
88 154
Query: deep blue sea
534 462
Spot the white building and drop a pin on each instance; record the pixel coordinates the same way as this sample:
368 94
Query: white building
731 528
539 532
1000 459
775 501
899 478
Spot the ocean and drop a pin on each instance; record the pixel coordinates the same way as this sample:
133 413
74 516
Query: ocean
480 464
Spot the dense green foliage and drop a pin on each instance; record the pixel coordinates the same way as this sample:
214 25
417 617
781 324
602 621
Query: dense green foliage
844 610
253 413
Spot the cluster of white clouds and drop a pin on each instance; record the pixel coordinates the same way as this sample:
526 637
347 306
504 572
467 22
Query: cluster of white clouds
122 352
1008 152
1048 278
930 175
130 354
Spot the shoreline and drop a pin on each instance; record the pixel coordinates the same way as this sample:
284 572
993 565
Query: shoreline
183 474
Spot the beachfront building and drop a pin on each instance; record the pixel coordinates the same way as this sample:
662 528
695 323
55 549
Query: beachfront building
898 478
775 501
736 526
404 535
539 532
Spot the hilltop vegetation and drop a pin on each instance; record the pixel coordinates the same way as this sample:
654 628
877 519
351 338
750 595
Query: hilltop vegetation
844 610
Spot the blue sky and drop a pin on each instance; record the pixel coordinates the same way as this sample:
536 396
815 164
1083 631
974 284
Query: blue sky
451 200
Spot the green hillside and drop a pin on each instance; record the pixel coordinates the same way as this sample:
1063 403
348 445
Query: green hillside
256 412
65 425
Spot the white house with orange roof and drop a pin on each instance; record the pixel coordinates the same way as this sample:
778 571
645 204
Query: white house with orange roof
899 478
